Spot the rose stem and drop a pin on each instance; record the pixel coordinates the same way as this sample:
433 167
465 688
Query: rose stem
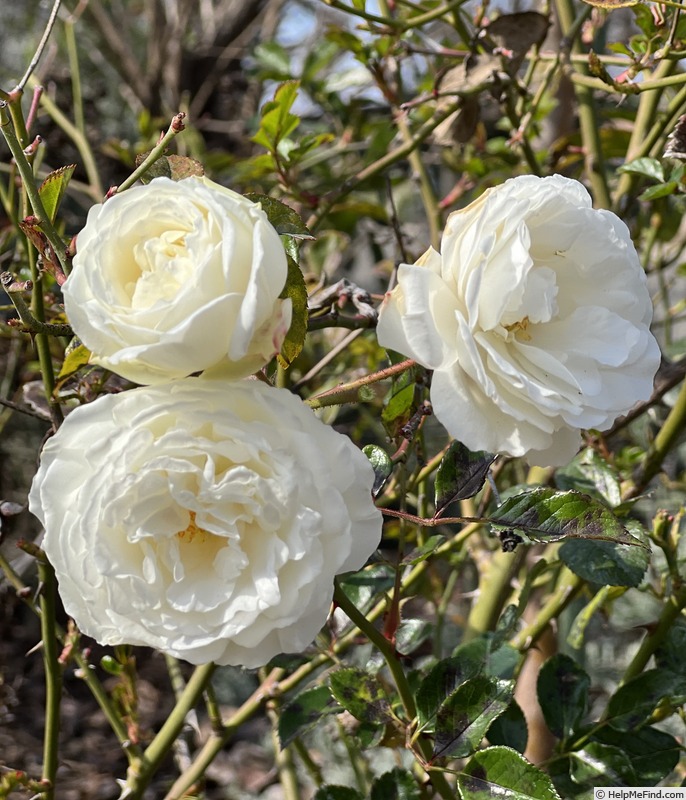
588 121
174 129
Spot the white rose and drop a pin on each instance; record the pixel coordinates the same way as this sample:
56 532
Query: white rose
204 518
534 317
173 278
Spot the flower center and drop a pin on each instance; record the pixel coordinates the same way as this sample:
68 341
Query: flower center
520 328
192 531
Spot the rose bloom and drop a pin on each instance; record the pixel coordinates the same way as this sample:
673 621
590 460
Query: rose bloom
203 517
534 317
173 278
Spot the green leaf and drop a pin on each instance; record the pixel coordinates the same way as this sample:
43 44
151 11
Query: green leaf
174 167
304 712
653 754
465 717
283 218
649 167
500 772
277 122
661 190
398 784
332 792
460 475
411 634
76 358
443 679
605 563
273 60
562 690
364 586
400 405
296 290
544 515
601 765
654 691
589 472
422 553
671 651
510 728
381 464
361 694
52 189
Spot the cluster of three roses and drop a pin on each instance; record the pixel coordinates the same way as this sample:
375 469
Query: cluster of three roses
207 517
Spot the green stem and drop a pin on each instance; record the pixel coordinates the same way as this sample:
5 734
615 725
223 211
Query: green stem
378 166
387 650
95 188
644 119
141 770
665 440
588 121
174 129
30 323
568 587
670 613
29 184
285 765
53 675
495 586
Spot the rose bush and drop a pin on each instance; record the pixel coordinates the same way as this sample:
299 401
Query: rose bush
534 317
173 278
205 518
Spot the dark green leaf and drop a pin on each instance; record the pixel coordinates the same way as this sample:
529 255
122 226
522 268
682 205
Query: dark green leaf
296 290
303 712
500 772
381 463
590 473
460 475
398 784
510 729
649 167
52 189
411 634
562 694
361 694
337 793
544 515
283 218
634 703
653 754
363 587
671 652
465 717
601 765
443 679
605 563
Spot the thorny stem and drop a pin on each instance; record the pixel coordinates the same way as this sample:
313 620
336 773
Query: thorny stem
30 323
174 129
29 185
348 392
